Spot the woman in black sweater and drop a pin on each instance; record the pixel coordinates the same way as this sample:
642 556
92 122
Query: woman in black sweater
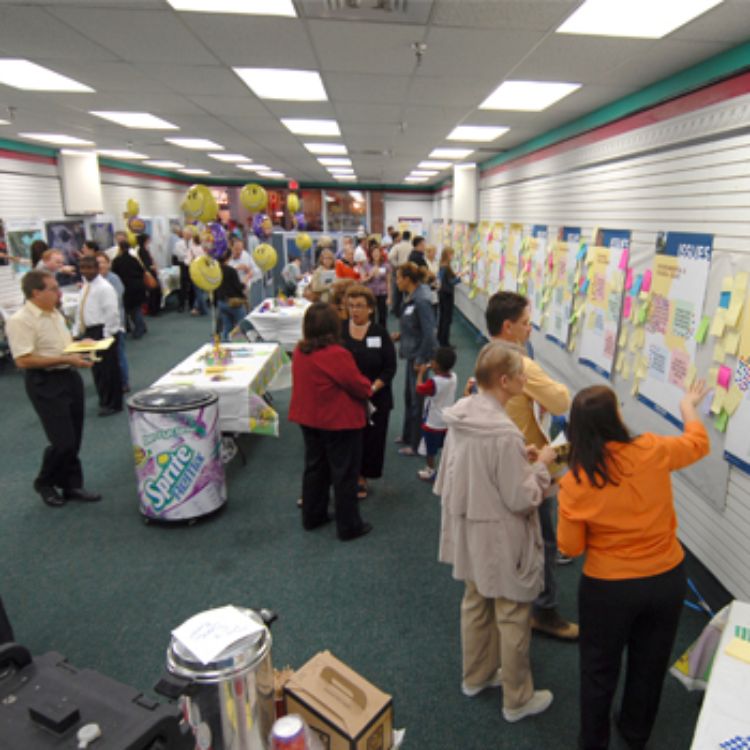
230 298
130 271
143 253
447 281
375 355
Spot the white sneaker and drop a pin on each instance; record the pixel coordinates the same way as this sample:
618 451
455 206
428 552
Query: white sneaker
427 474
471 690
540 701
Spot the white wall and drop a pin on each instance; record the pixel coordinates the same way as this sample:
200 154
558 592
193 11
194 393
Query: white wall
691 173
397 206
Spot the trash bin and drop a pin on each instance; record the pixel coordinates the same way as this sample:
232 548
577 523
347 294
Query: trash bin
176 444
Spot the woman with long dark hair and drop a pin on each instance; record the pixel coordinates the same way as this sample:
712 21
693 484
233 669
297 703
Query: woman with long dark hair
329 395
616 505
144 257
130 271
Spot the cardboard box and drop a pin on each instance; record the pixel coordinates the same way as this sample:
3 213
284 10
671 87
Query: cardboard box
344 710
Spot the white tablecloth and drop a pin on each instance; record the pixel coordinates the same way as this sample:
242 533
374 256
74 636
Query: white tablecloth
725 712
239 385
280 323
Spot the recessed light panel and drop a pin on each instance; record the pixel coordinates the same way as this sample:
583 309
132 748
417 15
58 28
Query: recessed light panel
28 76
423 173
120 153
416 179
528 96
340 170
139 120
434 164
246 7
194 171
4 122
478 133
300 126
164 164
450 153
273 175
57 139
644 19
284 85
345 177
196 144
326 148
335 161
231 158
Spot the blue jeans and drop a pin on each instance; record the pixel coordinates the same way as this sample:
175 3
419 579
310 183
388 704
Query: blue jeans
230 318
201 304
138 325
122 359
548 598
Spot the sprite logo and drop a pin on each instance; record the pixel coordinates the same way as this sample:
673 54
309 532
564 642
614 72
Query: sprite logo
179 468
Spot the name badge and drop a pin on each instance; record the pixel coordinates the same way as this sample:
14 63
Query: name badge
409 309
374 342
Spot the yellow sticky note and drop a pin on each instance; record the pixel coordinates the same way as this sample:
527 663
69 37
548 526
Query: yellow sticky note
733 399
634 389
690 377
727 283
718 323
637 339
732 315
718 355
739 649
718 403
642 368
626 367
711 377
731 342
619 360
740 283
623 340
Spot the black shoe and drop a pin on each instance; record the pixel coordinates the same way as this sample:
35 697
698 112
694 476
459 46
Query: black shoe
365 528
49 495
81 494
317 523
108 412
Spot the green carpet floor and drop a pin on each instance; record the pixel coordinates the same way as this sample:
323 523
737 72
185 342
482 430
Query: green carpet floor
96 584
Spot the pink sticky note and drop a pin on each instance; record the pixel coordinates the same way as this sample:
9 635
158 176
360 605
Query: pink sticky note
627 307
551 262
624 259
528 266
646 284
724 377
628 279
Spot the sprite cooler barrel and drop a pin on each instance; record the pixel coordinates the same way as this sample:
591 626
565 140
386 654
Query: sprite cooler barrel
176 444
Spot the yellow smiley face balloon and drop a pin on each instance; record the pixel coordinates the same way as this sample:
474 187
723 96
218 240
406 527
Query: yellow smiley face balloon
303 241
132 208
136 225
199 204
265 256
292 203
206 273
253 197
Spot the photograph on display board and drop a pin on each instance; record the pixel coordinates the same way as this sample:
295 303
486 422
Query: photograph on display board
175 223
68 236
20 235
559 293
103 233
536 281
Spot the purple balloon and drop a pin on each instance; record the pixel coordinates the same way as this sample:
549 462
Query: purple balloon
220 240
299 220
261 223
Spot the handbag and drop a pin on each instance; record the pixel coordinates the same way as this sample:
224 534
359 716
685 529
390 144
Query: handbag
148 278
236 302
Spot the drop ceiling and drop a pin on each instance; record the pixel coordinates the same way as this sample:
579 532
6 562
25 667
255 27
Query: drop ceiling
393 108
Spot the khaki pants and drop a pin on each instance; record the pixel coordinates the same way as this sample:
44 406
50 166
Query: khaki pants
497 633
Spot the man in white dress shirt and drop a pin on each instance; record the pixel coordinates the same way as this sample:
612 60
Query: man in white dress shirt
98 317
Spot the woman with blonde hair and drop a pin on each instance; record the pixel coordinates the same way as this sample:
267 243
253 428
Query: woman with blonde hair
491 485
323 276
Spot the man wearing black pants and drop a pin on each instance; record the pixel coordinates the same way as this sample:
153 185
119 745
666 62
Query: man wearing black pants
38 336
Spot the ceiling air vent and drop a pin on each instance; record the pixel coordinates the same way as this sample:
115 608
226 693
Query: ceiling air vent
400 11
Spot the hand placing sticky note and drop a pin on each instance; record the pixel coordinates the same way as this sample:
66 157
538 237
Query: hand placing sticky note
646 283
724 377
700 334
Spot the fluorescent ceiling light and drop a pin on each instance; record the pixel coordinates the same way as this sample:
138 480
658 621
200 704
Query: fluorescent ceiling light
273 175
283 84
164 164
300 126
326 148
58 139
196 144
434 164
4 122
479 133
140 120
345 177
335 161
28 76
643 19
194 171
120 153
450 153
340 170
231 158
423 173
255 167
247 7
416 179
528 96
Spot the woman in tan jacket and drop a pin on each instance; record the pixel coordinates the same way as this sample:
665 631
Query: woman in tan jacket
490 532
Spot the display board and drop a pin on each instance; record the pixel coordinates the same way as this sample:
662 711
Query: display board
562 282
494 243
537 275
512 258
673 291
603 289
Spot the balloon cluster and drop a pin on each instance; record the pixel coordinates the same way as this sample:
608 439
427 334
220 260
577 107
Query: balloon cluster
302 240
199 206
134 225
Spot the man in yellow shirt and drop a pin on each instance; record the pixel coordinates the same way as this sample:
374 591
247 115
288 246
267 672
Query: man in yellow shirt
508 318
37 335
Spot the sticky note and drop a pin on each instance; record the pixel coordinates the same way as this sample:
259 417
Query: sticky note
724 377
617 282
582 250
628 279
585 287
637 284
634 389
620 359
626 367
642 368
718 323
740 283
732 315
731 342
711 377
718 401
739 649
718 353
700 334
724 299
642 314
720 423
623 340
690 377
733 399
624 259
727 283
646 283
473 293
637 339
627 308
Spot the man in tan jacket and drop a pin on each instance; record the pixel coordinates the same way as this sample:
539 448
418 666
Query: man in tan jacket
508 318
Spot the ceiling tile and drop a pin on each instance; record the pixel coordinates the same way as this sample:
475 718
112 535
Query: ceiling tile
222 106
536 15
195 79
353 112
362 87
463 92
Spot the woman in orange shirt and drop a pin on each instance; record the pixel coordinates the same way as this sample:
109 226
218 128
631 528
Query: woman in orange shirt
616 505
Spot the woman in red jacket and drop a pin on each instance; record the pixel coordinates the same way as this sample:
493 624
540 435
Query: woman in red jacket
329 395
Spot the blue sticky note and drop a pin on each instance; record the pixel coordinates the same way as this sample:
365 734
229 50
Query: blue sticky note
725 299
582 250
635 290
585 287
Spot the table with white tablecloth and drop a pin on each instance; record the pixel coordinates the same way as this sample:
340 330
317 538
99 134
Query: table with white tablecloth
239 384
281 321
